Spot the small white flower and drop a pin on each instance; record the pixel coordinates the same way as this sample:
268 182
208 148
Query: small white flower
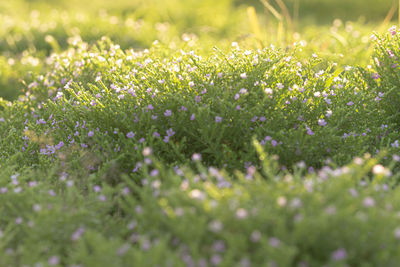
268 91
197 194
241 213
281 201
381 170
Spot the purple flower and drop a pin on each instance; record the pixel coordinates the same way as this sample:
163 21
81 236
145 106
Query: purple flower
91 133
274 242
167 113
255 236
137 167
154 172
32 183
368 202
274 143
392 30
218 119
375 76
59 145
339 254
350 103
219 246
156 134
322 122
192 117
54 260
77 234
132 92
123 249
18 220
130 135
215 260
170 132
390 53
41 121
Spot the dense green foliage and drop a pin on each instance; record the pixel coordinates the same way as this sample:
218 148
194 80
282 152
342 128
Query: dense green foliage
199 149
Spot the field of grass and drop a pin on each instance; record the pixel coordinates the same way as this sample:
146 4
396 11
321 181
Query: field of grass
199 133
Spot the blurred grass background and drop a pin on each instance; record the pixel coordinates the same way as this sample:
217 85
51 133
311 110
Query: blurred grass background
337 30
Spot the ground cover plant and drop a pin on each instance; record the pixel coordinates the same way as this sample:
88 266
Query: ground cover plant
124 151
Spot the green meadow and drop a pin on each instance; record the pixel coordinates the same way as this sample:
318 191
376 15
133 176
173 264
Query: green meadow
199 133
